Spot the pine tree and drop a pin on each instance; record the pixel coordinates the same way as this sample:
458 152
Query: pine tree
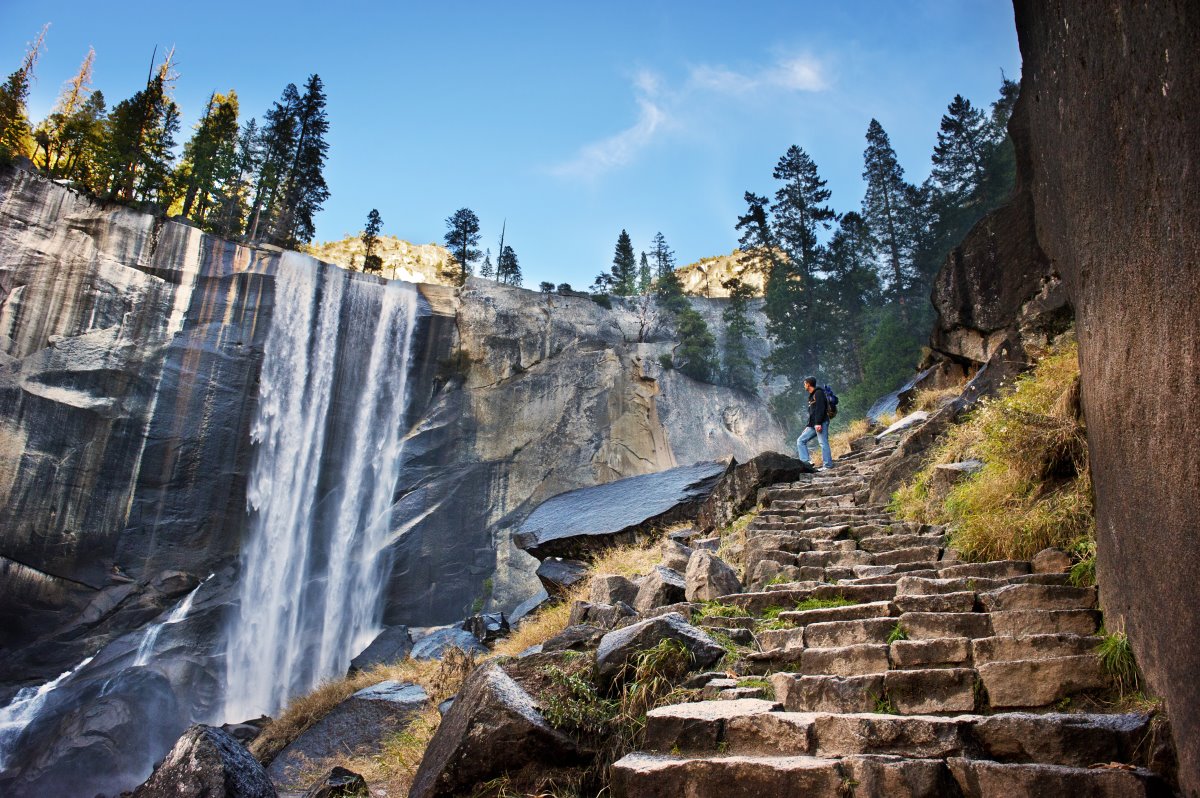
887 209
737 365
508 269
15 134
1000 172
756 245
370 239
799 210
624 267
487 269
667 286
210 157
960 156
797 216
85 133
277 142
140 140
61 127
155 183
696 355
851 291
462 238
645 276
305 190
233 197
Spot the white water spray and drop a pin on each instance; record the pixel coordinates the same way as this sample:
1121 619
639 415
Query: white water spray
24 708
150 636
321 485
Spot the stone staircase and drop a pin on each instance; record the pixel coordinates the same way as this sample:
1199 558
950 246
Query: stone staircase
895 669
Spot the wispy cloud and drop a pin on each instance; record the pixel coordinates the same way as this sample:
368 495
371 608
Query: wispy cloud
798 73
620 149
661 107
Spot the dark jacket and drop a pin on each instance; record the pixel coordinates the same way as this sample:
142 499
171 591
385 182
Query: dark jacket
818 408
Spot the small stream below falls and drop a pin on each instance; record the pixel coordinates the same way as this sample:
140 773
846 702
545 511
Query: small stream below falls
328 436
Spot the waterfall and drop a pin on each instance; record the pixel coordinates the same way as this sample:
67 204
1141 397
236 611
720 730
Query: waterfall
150 636
327 437
24 708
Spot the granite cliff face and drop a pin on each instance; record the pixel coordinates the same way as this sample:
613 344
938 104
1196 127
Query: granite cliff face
133 356
1101 229
1112 93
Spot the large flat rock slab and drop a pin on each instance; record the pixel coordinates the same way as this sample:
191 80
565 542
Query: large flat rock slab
580 521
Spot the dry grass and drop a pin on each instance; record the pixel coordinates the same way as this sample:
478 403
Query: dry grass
932 400
733 542
839 442
1034 490
627 561
440 679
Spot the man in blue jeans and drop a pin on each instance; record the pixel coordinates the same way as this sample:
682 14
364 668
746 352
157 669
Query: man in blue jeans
818 424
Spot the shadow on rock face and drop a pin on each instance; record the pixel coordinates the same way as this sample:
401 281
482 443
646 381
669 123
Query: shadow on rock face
119 728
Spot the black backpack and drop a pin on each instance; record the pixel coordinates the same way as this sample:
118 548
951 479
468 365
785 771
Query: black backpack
831 401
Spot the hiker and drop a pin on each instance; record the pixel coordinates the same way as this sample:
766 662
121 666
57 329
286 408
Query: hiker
818 424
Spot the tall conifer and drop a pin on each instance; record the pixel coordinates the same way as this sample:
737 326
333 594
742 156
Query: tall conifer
462 239
887 209
15 138
624 267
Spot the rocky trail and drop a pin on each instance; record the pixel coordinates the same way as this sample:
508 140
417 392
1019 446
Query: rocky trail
875 662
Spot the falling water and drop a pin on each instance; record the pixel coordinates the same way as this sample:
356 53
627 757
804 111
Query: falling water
321 485
150 636
24 708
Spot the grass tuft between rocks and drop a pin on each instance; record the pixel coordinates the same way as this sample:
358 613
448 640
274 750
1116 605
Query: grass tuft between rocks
1034 490
1116 657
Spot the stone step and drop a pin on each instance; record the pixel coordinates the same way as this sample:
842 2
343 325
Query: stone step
1039 597
982 779
937 602
996 569
853 660
851 612
931 690
1022 623
772 639
770 728
924 586
916 569
665 776
1040 682
758 602
835 634
882 543
938 652
1032 647
922 554
932 625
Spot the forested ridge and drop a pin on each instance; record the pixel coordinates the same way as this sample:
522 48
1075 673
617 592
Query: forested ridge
846 291
238 178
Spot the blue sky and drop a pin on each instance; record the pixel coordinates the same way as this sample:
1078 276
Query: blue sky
571 120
